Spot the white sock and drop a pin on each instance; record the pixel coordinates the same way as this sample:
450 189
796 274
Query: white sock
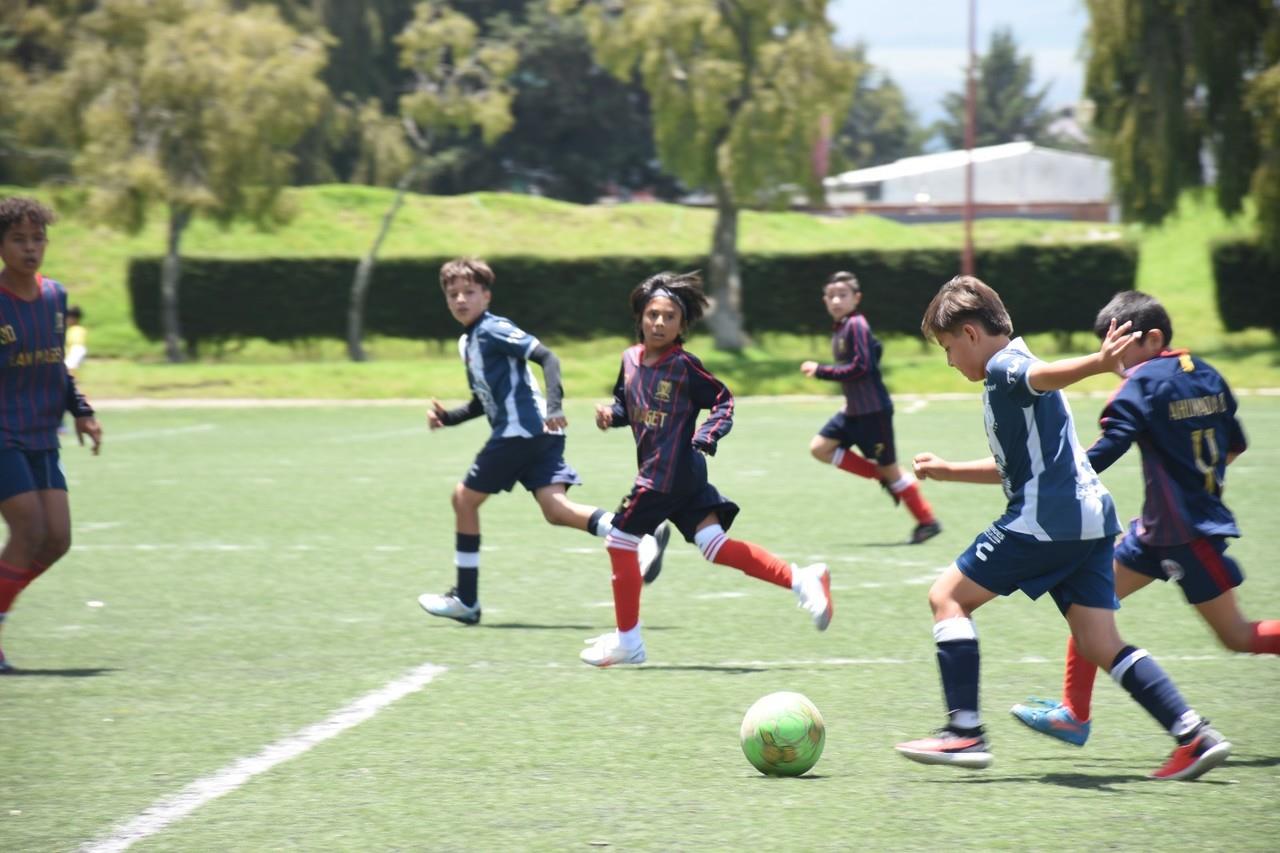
604 525
630 639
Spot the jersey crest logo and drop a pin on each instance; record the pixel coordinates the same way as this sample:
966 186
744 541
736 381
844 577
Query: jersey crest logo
664 391
1186 363
7 335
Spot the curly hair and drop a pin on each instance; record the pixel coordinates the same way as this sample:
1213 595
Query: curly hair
684 289
17 209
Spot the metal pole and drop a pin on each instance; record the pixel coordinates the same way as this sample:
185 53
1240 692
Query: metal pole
969 108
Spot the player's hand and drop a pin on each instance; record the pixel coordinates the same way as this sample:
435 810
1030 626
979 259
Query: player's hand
604 416
556 422
435 415
1117 340
89 426
809 368
928 466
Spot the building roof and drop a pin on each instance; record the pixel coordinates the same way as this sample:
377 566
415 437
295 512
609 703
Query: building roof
925 163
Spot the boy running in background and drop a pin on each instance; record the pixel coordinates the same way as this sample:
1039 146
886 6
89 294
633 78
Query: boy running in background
526 444
1055 536
660 391
1182 415
35 390
867 417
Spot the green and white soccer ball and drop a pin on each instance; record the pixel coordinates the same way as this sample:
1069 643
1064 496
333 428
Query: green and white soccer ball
783 734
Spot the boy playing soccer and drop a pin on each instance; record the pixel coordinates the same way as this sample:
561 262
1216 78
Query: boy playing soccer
35 390
1182 414
1056 534
867 417
661 388
527 441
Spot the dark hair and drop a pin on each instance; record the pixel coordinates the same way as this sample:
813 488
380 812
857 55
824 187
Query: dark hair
468 269
965 299
1144 311
684 288
74 311
17 209
846 278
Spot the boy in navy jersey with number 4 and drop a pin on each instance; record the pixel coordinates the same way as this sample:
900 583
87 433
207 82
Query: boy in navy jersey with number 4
1056 534
35 390
1182 415
867 417
660 391
526 444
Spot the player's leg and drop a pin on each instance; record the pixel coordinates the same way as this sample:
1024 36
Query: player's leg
962 742
832 445
1208 578
1235 631
462 602
906 488
641 511
24 515
557 508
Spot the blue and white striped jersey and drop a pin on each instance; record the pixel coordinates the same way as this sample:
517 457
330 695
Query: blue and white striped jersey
1053 492
495 352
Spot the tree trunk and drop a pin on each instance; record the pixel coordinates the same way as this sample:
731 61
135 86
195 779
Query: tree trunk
170 271
725 321
364 270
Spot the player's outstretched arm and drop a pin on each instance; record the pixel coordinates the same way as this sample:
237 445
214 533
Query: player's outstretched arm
438 416
89 426
555 389
930 466
1056 375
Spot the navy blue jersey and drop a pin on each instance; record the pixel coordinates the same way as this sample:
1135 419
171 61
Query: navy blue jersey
495 352
1182 414
35 388
661 403
857 368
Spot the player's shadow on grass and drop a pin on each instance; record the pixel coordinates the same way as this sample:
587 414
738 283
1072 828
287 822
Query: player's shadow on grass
700 667
88 672
534 626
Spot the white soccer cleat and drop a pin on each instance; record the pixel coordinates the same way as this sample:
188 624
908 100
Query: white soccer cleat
450 606
651 550
812 586
607 650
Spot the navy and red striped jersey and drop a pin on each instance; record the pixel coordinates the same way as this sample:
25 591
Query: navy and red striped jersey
857 366
661 403
1182 414
35 388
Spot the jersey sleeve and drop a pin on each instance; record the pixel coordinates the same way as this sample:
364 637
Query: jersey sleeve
1009 373
508 338
862 357
708 392
1236 441
619 406
1123 419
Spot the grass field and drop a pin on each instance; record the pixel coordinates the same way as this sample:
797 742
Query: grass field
241 576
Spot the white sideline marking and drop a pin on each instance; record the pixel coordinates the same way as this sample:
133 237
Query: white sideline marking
158 433
163 812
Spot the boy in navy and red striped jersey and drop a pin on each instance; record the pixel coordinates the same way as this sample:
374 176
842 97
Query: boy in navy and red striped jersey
1182 415
867 417
660 391
35 390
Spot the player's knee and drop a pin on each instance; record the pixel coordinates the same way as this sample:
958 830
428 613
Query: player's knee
28 534
461 499
56 545
820 450
943 603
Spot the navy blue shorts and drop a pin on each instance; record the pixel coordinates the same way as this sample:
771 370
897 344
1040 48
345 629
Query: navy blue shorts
872 434
1072 572
1200 566
643 510
29 471
532 462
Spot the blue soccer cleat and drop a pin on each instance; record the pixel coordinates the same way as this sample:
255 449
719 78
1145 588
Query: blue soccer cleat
1053 719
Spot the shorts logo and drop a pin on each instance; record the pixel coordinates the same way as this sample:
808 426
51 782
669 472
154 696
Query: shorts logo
664 391
982 549
1172 569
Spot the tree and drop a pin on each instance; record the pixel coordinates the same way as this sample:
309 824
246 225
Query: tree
1007 109
188 105
879 126
739 90
460 84
1173 77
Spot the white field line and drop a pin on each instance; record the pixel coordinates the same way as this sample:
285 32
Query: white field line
160 433
164 812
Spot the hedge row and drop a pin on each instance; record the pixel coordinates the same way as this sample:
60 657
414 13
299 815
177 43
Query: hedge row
1046 288
1248 285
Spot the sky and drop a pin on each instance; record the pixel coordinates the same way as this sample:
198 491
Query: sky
923 43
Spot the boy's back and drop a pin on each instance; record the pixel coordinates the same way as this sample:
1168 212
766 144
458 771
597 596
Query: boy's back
495 352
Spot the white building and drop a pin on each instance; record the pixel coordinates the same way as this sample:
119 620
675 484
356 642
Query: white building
1019 179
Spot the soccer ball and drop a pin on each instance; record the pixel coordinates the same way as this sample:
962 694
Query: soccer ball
783 734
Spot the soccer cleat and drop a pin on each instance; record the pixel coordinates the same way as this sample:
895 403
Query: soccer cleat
924 532
607 650
948 746
450 606
813 590
652 549
1053 719
1205 751
6 668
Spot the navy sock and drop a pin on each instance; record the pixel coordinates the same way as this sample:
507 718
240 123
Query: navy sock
594 521
1150 686
958 661
467 560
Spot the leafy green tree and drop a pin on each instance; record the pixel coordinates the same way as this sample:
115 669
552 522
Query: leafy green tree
185 104
1007 108
739 89
1172 77
460 84
879 127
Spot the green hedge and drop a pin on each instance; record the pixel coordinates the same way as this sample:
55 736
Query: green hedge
1247 280
1046 288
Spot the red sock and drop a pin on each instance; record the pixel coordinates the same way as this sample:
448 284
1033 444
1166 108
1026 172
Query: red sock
627 582
12 582
754 561
37 569
860 465
1265 639
1077 683
914 499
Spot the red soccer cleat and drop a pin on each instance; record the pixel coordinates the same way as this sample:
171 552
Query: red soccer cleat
1204 752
